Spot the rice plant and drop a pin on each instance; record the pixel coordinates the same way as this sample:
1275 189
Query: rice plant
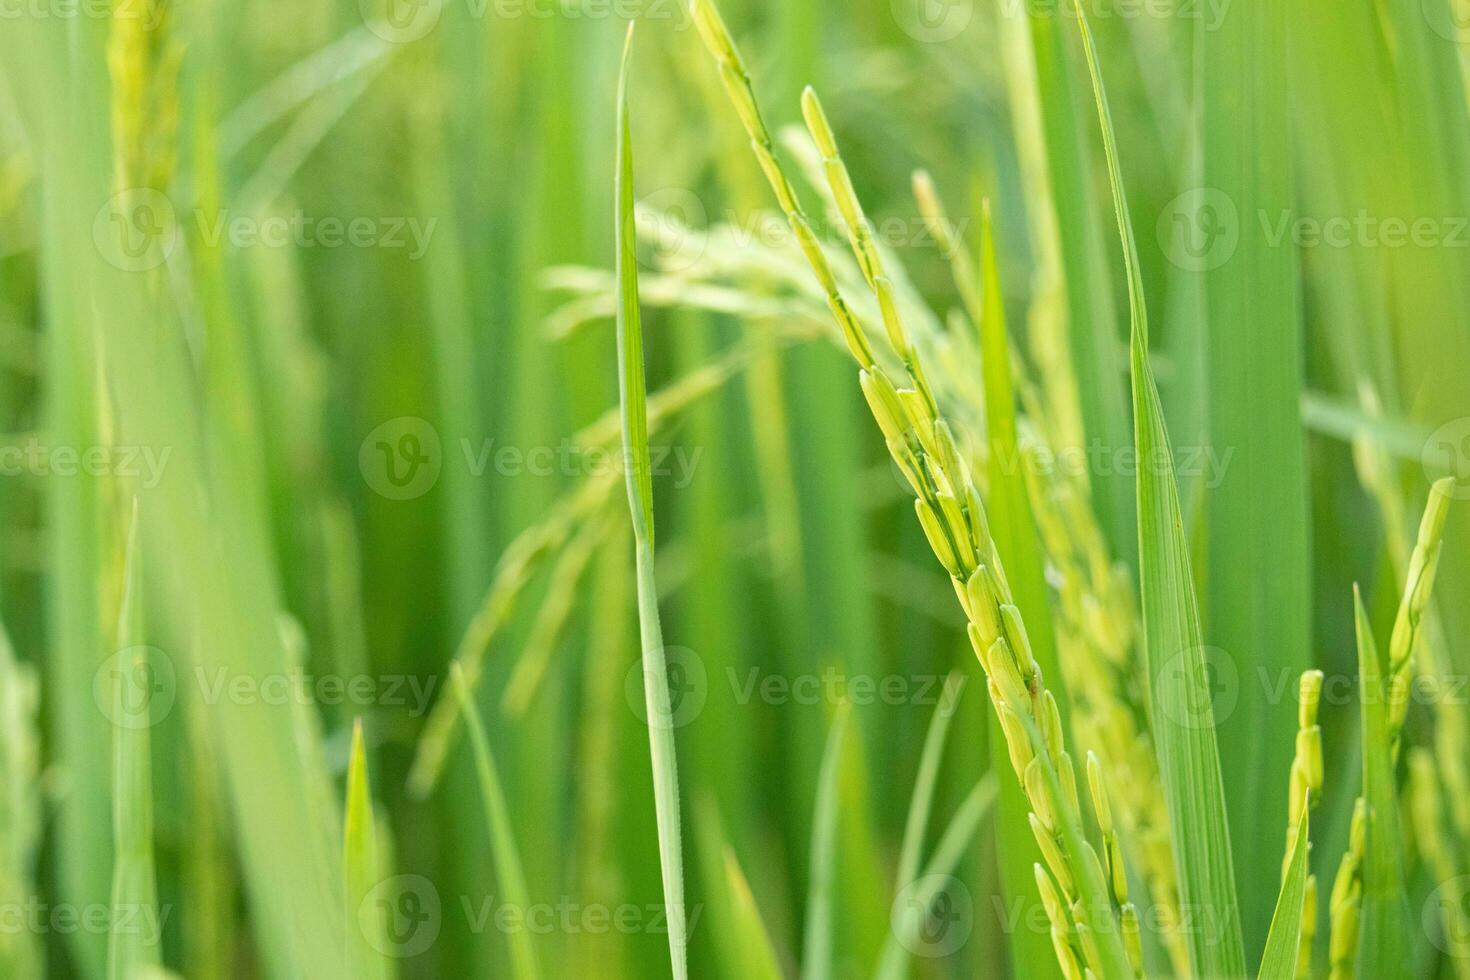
1052 414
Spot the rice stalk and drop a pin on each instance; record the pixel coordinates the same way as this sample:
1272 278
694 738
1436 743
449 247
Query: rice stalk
571 515
524 960
633 392
1304 792
951 515
1013 526
1349 885
561 593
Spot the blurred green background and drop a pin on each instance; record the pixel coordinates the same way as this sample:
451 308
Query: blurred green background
364 340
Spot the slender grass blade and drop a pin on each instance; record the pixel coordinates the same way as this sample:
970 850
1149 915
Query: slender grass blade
1183 719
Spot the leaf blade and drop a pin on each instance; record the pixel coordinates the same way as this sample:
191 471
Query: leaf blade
1283 942
1384 943
633 398
508 865
1183 721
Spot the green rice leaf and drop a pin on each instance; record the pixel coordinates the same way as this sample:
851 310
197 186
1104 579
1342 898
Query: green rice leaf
817 952
1384 940
740 933
634 399
759 961
1256 517
1014 526
134 879
361 869
1283 942
923 799
502 837
632 385
953 843
1183 720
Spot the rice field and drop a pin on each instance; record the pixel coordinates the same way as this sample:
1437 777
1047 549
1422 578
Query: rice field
734 489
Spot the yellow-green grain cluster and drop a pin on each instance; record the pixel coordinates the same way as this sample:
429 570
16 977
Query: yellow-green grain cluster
1088 919
143 58
1347 888
1304 792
